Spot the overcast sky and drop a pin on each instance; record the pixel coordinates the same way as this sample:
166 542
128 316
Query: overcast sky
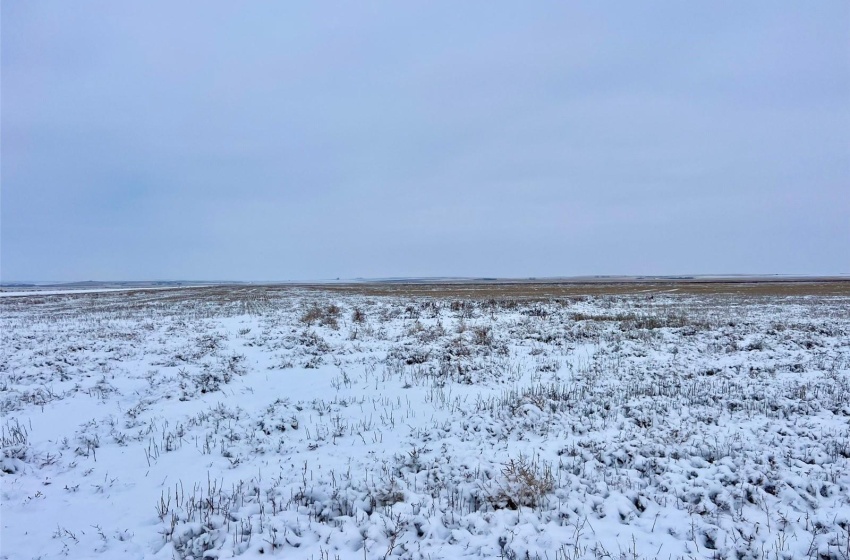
284 140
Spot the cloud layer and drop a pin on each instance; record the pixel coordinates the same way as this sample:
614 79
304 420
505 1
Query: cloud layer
268 141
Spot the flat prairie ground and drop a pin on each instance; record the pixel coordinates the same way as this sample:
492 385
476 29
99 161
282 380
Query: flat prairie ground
378 421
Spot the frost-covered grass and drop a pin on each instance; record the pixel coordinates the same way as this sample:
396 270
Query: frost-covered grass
219 422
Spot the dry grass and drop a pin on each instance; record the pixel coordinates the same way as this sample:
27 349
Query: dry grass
250 298
547 290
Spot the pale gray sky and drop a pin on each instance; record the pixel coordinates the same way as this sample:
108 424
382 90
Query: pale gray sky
282 140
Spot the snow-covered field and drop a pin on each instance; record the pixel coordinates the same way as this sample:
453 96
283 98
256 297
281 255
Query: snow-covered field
253 422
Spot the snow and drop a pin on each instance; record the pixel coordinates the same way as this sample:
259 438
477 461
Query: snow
71 291
248 421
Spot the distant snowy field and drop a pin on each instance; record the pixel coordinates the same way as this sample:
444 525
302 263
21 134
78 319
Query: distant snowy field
254 422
